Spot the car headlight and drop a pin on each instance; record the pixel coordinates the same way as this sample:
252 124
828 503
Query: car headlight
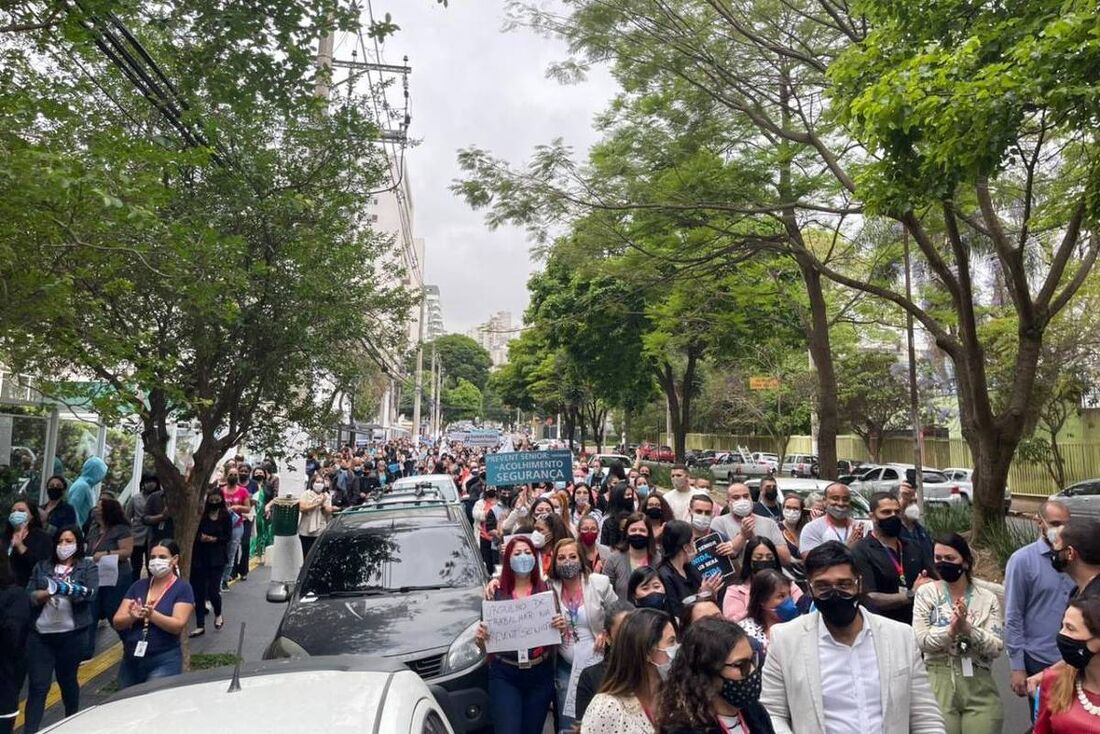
463 652
284 647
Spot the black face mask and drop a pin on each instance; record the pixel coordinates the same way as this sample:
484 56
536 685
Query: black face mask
838 609
54 493
491 494
1059 562
638 542
742 693
653 601
213 505
890 527
771 495
654 513
1075 652
949 572
762 565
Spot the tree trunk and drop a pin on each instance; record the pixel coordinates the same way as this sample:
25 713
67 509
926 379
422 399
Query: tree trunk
992 459
817 337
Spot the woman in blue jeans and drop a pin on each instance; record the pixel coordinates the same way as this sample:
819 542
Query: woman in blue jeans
521 684
151 618
62 591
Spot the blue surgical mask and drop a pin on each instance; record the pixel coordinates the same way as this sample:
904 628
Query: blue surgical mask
522 563
17 518
787 610
642 490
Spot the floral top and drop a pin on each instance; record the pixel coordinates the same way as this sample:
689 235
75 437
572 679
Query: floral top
932 610
609 714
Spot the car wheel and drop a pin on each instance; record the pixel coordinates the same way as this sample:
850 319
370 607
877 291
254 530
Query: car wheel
964 499
729 479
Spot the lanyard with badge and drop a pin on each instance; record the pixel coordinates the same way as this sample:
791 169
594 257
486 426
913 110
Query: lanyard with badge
143 643
962 644
896 562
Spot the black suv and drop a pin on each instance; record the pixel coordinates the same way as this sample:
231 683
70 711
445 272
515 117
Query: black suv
399 581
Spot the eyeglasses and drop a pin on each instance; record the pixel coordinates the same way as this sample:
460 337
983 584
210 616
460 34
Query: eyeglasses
744 667
697 598
828 591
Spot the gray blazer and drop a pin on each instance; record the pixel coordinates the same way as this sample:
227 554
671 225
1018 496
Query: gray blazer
616 567
792 679
85 573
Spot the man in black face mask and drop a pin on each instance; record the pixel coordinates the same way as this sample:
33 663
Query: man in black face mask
1076 553
836 669
892 569
769 504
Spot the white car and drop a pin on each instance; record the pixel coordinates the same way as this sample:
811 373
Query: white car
761 457
336 695
963 478
443 483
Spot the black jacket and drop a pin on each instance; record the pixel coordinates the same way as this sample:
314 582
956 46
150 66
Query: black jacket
39 546
755 718
212 555
15 625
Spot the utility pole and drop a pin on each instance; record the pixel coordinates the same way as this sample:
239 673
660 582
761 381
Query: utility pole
431 403
914 403
419 372
323 86
439 399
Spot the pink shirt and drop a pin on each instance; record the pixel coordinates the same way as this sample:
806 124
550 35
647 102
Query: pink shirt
238 496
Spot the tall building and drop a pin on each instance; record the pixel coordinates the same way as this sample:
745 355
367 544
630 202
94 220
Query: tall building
433 313
494 335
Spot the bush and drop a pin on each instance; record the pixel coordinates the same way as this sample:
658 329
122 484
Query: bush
943 519
205 661
1003 538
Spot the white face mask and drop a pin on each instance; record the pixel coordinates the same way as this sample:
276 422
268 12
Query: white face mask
65 551
912 512
663 668
700 522
792 516
741 507
1052 534
538 539
318 487
160 567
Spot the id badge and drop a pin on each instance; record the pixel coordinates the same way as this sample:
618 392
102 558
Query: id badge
521 656
140 648
967 667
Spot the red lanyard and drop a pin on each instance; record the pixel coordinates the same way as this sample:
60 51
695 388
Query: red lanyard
156 601
895 557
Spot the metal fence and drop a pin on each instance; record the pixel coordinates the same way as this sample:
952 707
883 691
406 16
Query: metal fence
1082 459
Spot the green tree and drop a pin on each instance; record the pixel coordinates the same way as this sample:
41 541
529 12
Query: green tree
461 358
208 266
462 402
873 393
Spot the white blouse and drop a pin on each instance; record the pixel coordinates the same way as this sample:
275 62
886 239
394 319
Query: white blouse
609 714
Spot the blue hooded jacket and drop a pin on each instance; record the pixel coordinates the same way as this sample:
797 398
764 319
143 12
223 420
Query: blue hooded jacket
81 494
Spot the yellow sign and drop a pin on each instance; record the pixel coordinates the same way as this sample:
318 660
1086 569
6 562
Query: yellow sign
763 382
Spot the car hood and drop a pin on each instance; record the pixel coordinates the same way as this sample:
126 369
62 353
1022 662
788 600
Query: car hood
396 624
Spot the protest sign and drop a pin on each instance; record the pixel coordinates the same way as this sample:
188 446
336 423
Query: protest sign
482 438
520 624
456 436
707 561
528 467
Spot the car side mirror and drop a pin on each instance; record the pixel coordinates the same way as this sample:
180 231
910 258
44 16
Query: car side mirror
278 593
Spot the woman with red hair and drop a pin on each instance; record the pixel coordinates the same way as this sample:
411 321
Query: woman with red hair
521 687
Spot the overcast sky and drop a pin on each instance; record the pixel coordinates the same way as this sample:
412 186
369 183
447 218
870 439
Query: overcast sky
473 84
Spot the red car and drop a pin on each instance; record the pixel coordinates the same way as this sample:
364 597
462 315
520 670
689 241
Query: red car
661 454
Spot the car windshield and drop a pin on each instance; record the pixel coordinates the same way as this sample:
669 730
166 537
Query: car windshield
391 559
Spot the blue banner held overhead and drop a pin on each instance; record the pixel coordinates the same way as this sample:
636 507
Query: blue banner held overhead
527 467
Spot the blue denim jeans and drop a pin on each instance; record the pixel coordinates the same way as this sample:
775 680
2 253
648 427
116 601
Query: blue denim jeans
48 655
519 700
234 546
561 692
138 670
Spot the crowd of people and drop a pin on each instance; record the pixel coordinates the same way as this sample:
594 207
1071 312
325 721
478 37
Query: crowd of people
811 620
66 569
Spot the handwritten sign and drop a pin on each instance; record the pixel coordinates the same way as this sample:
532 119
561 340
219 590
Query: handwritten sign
520 624
528 467
707 561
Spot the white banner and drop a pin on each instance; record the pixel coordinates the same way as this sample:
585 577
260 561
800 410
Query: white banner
520 624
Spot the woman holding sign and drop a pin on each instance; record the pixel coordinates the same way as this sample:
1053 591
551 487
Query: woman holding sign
583 598
680 576
151 618
521 683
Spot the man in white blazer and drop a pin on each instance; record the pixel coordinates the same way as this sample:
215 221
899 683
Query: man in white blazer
842 669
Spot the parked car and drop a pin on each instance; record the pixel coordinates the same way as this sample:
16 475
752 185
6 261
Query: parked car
341 695
761 457
403 582
861 509
847 467
701 458
1082 498
739 465
799 465
962 491
660 454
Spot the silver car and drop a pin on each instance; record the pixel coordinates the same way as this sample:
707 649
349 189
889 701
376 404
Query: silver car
1082 498
799 465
